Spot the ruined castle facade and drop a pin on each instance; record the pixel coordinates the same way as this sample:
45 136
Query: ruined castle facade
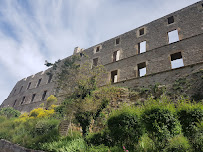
158 52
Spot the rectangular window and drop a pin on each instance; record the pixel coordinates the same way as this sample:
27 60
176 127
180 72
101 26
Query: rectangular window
95 62
14 103
50 77
142 69
28 86
44 95
33 97
171 20
173 36
117 41
142 47
116 56
21 89
141 31
23 100
176 60
114 76
39 81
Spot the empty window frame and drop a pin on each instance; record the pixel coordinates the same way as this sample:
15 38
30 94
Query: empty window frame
44 95
23 100
21 89
141 31
95 62
28 87
114 76
50 77
173 36
142 70
39 81
117 41
170 20
116 56
97 48
142 47
176 60
33 97
14 103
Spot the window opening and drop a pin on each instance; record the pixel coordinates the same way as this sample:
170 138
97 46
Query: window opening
116 56
21 89
171 20
142 69
14 103
114 76
95 62
142 47
173 36
176 60
44 95
117 41
50 77
141 31
97 48
28 86
23 100
33 97
39 81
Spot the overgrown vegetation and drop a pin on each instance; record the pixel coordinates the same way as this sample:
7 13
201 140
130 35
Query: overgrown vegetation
107 119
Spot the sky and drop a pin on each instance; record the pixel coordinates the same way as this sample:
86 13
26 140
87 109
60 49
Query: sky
32 31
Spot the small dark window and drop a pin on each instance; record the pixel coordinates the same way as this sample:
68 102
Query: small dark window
141 69
114 76
39 81
14 103
141 31
44 95
116 56
117 41
21 89
33 97
202 4
97 48
176 60
171 20
50 77
28 86
23 100
95 62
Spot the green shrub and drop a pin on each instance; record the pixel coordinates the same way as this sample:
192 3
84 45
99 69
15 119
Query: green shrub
178 143
146 144
125 127
100 148
189 114
9 112
197 140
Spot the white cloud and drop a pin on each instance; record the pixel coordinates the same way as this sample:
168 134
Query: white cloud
38 30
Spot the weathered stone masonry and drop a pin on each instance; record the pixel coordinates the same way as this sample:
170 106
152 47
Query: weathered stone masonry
140 57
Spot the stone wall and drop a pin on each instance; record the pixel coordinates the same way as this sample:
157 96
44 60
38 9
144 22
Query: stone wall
6 146
157 57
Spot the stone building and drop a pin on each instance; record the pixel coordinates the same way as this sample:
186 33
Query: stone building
158 52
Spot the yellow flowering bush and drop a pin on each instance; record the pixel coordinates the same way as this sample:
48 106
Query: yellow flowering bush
50 100
40 112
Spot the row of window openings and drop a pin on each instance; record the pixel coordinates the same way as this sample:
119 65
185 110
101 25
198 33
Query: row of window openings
38 83
172 37
176 62
32 99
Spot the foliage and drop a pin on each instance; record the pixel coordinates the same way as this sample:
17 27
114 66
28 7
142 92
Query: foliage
50 101
146 144
189 114
178 143
125 127
40 112
9 112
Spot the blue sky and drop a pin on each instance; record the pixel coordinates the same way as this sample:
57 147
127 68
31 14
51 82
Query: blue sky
32 31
